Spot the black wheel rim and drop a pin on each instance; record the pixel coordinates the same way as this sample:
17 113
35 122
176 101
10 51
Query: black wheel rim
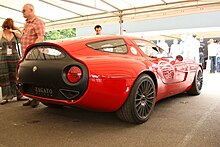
199 80
144 101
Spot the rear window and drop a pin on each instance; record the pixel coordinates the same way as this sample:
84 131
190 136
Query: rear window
112 46
44 53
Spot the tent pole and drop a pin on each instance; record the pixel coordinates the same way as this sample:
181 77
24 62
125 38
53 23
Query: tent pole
120 22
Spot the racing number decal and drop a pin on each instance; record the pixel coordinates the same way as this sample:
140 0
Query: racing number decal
168 75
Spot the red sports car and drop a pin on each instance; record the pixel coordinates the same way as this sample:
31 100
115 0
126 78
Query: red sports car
112 73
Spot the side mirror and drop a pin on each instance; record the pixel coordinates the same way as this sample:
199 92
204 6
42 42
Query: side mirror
179 58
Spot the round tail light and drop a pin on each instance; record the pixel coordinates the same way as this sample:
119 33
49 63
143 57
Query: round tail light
74 74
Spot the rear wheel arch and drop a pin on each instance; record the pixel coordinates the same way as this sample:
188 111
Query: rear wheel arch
152 75
141 100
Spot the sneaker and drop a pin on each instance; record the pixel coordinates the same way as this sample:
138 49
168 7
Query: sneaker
34 103
21 98
28 103
4 102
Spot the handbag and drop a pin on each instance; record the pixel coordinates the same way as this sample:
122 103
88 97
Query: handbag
18 48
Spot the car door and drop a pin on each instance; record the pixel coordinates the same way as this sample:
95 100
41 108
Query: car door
181 69
169 69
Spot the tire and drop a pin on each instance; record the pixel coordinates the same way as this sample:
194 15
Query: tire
51 105
197 83
140 102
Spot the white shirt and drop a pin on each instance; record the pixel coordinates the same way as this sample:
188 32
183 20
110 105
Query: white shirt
213 49
175 50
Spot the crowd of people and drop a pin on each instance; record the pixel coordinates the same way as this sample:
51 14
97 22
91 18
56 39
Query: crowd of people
10 54
33 32
192 48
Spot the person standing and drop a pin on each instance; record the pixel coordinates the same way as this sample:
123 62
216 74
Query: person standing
195 47
175 48
9 57
213 48
183 45
201 52
98 29
162 43
191 48
33 32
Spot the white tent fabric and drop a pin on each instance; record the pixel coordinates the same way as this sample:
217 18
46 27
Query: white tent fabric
60 14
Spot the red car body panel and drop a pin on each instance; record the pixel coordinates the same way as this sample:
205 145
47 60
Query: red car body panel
111 75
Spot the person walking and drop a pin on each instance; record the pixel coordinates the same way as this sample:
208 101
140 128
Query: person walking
9 57
33 32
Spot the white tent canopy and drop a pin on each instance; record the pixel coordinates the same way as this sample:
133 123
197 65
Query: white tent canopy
60 14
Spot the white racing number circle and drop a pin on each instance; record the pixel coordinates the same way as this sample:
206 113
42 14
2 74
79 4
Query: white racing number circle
133 50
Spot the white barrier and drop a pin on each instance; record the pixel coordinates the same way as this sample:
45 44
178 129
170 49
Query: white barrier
208 64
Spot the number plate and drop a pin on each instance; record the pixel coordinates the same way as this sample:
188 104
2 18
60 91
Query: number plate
42 91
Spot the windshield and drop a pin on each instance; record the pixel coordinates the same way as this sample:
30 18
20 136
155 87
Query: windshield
151 50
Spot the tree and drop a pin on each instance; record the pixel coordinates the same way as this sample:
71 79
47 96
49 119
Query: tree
60 34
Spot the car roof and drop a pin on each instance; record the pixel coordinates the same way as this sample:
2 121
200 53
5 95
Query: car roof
87 39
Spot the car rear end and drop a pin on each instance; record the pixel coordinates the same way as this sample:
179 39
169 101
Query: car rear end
93 73
47 72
